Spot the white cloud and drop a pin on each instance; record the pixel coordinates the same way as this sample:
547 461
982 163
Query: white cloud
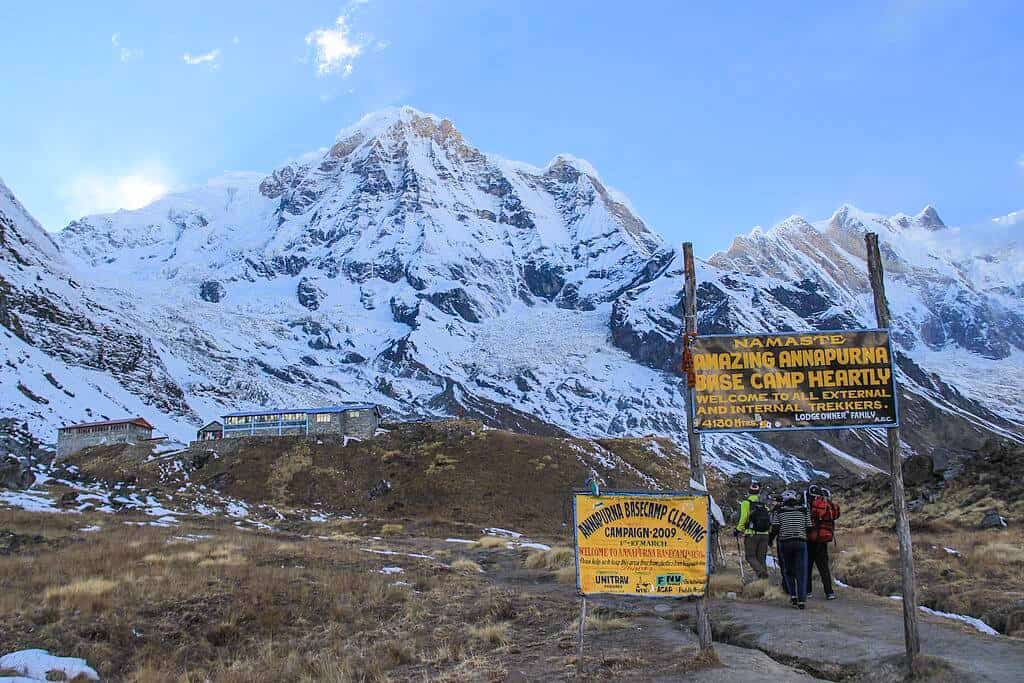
1012 218
382 45
211 58
236 40
125 54
91 193
336 49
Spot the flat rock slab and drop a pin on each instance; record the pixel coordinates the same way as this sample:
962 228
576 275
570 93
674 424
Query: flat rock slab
850 637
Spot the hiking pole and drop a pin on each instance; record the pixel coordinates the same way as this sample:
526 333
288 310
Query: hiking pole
739 549
721 553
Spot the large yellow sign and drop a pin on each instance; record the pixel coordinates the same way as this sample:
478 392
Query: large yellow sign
812 380
653 544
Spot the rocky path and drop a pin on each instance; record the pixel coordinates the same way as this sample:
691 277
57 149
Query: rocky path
860 634
856 638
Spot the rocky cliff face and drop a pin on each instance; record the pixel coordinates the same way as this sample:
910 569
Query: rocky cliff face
406 267
67 354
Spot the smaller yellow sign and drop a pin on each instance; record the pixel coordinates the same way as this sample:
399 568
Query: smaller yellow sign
650 544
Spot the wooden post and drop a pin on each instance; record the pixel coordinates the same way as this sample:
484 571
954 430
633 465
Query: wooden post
579 636
696 461
899 503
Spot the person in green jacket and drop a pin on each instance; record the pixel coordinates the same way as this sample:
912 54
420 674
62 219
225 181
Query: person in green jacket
755 524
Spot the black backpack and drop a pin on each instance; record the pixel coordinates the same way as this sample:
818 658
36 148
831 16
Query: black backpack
760 519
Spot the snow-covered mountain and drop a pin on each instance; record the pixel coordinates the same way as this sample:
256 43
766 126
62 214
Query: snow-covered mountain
404 266
67 354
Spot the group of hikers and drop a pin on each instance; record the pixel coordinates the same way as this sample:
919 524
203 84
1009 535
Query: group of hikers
802 524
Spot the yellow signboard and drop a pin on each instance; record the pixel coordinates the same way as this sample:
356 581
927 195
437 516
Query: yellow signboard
649 544
800 380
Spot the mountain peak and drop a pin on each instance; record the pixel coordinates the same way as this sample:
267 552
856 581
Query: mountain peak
380 122
929 218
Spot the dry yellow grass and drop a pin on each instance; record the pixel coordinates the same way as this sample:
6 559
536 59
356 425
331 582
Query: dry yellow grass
566 574
555 558
491 542
391 529
606 622
496 634
722 583
188 556
762 589
85 594
465 565
997 553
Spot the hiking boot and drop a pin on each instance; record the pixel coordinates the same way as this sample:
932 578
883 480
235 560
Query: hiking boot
830 596
810 595
802 605
793 601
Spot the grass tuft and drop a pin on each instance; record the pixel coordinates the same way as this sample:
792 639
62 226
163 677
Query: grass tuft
499 633
85 594
555 558
491 542
464 565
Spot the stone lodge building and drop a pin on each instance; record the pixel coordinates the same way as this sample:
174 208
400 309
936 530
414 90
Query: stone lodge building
359 420
73 438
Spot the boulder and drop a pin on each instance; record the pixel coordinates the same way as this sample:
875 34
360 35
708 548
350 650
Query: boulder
992 520
918 469
309 294
15 474
380 489
1015 621
211 291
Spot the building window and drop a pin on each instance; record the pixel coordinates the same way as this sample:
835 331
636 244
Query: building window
323 417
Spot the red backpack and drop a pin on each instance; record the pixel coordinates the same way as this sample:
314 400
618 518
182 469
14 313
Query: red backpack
824 514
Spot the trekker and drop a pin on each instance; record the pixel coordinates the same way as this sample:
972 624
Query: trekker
823 513
754 524
790 523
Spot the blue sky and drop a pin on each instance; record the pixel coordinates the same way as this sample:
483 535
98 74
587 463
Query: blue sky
711 119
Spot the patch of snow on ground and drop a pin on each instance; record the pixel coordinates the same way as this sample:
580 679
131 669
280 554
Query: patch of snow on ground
530 545
394 552
459 540
953 552
90 529
974 622
495 531
30 501
978 624
856 462
391 570
34 665
235 509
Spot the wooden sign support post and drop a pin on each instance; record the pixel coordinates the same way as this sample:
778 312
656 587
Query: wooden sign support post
876 275
696 461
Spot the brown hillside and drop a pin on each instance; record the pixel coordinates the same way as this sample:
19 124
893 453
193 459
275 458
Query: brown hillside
451 470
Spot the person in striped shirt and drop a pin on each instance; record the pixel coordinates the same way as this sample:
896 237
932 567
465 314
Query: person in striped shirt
790 523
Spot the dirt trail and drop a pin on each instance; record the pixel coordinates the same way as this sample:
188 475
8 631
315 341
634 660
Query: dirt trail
853 635
858 637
